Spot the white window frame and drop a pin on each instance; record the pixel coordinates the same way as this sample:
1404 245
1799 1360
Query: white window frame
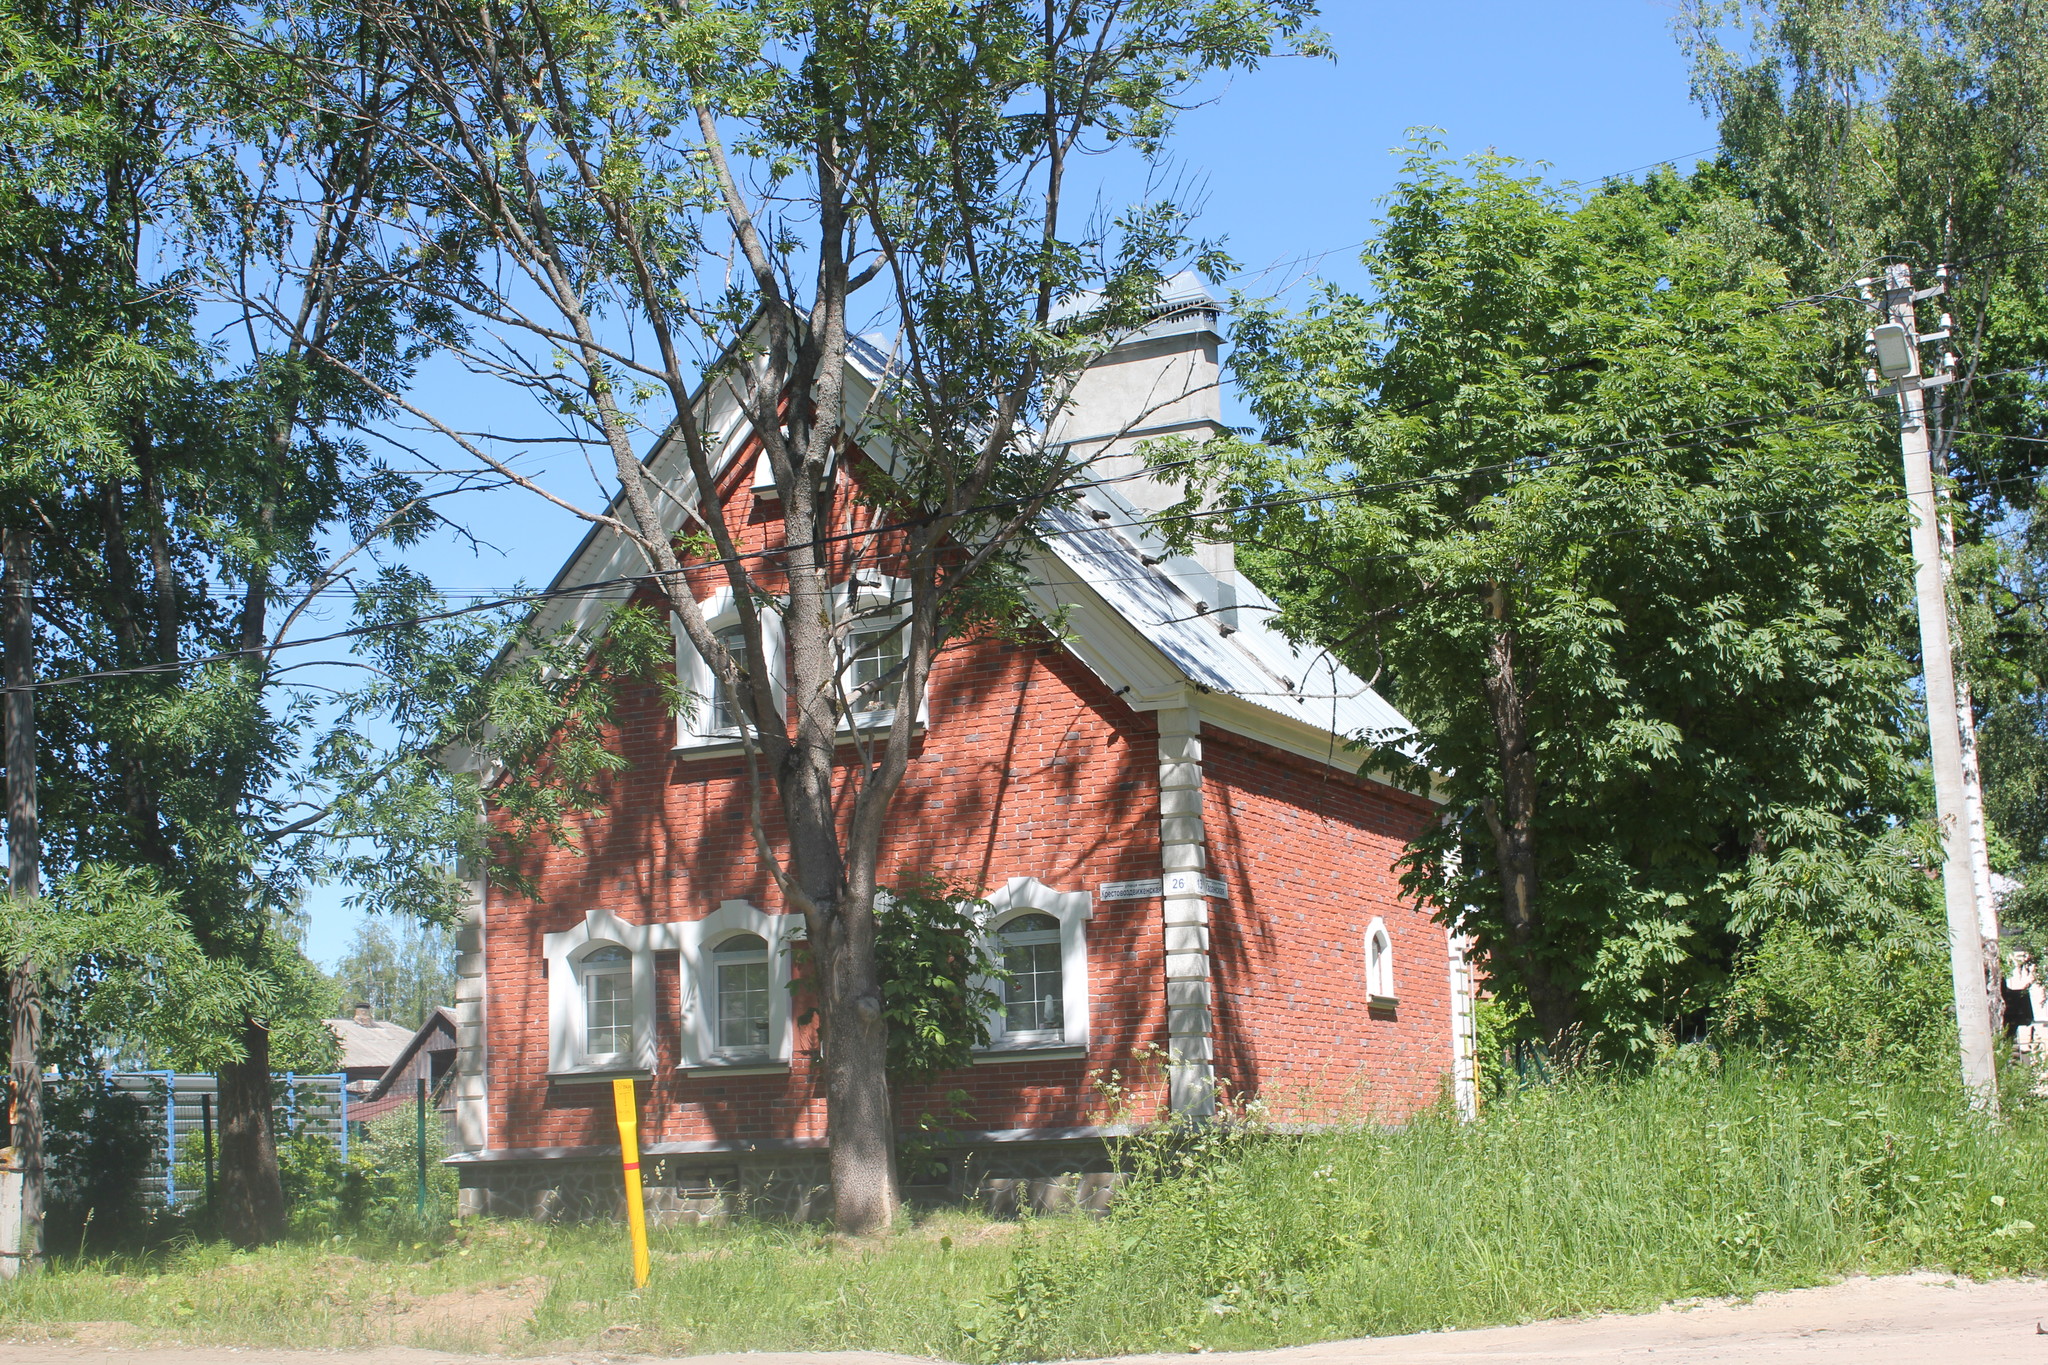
1380 991
694 727
871 591
580 963
694 940
567 1055
1072 909
717 959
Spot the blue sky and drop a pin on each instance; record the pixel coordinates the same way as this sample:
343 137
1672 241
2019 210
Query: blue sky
1293 159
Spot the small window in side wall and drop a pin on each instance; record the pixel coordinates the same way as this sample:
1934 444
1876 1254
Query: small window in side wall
1034 996
607 978
1379 966
740 972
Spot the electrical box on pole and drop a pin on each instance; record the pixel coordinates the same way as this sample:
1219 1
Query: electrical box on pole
1895 347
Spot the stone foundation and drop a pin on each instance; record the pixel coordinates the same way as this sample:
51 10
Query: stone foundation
709 1188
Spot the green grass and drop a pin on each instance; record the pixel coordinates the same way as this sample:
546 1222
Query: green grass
1701 1179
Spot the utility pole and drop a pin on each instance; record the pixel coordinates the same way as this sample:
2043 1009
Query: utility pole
1896 344
21 1181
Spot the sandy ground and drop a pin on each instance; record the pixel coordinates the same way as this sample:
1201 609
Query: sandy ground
1897 1320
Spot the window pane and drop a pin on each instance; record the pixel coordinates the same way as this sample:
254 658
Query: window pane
1030 924
725 715
1032 995
607 1013
743 1005
875 654
743 943
606 956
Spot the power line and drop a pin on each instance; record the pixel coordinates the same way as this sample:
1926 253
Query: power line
1537 463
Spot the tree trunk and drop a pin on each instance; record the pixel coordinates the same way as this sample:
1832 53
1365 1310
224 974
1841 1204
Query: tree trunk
251 1197
24 880
859 1117
1513 822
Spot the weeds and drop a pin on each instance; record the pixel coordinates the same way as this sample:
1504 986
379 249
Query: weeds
1707 1176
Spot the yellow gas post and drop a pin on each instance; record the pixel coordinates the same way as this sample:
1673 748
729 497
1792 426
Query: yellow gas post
629 1153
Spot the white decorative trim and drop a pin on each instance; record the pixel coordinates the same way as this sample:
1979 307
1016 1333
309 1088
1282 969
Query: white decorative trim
1184 914
1027 895
1380 982
472 1054
694 727
1464 1029
566 1055
694 939
879 600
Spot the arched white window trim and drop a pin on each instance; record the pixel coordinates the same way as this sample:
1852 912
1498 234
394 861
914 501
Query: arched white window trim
1380 993
878 601
567 1055
1023 896
694 940
696 728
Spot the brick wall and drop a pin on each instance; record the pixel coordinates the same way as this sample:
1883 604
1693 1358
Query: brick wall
1308 852
1029 768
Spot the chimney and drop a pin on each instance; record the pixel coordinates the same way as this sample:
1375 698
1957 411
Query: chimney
363 1015
1163 379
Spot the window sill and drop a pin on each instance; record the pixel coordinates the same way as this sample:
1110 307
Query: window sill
574 1075
1055 1052
1382 1002
763 1067
872 729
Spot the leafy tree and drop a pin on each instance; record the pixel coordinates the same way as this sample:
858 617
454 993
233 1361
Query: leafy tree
1589 501
191 508
403 975
625 202
1867 130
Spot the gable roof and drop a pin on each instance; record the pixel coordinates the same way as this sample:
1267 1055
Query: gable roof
1160 630
367 1045
439 1025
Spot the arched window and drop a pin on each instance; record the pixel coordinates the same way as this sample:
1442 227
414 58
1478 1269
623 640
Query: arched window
607 977
740 965
1034 997
1379 966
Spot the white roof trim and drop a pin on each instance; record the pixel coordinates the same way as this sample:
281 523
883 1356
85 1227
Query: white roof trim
1135 625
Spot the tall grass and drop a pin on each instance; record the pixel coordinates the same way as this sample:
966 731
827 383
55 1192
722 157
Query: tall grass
1704 1177
1720 1177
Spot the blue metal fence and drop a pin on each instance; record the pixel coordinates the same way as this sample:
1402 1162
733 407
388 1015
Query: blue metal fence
305 1104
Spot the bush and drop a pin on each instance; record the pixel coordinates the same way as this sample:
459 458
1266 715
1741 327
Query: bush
376 1189
1876 1004
100 1145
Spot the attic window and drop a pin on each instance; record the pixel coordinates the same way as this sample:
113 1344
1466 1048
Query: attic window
713 720
764 479
1379 967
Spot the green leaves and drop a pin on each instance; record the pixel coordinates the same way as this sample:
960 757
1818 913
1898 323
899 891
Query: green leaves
1618 530
938 974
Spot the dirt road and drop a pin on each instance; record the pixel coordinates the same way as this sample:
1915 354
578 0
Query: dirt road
1898 1320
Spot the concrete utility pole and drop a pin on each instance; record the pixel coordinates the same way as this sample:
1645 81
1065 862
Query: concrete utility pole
1896 343
21 1179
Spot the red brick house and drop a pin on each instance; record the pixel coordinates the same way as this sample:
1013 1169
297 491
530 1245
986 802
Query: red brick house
1190 883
